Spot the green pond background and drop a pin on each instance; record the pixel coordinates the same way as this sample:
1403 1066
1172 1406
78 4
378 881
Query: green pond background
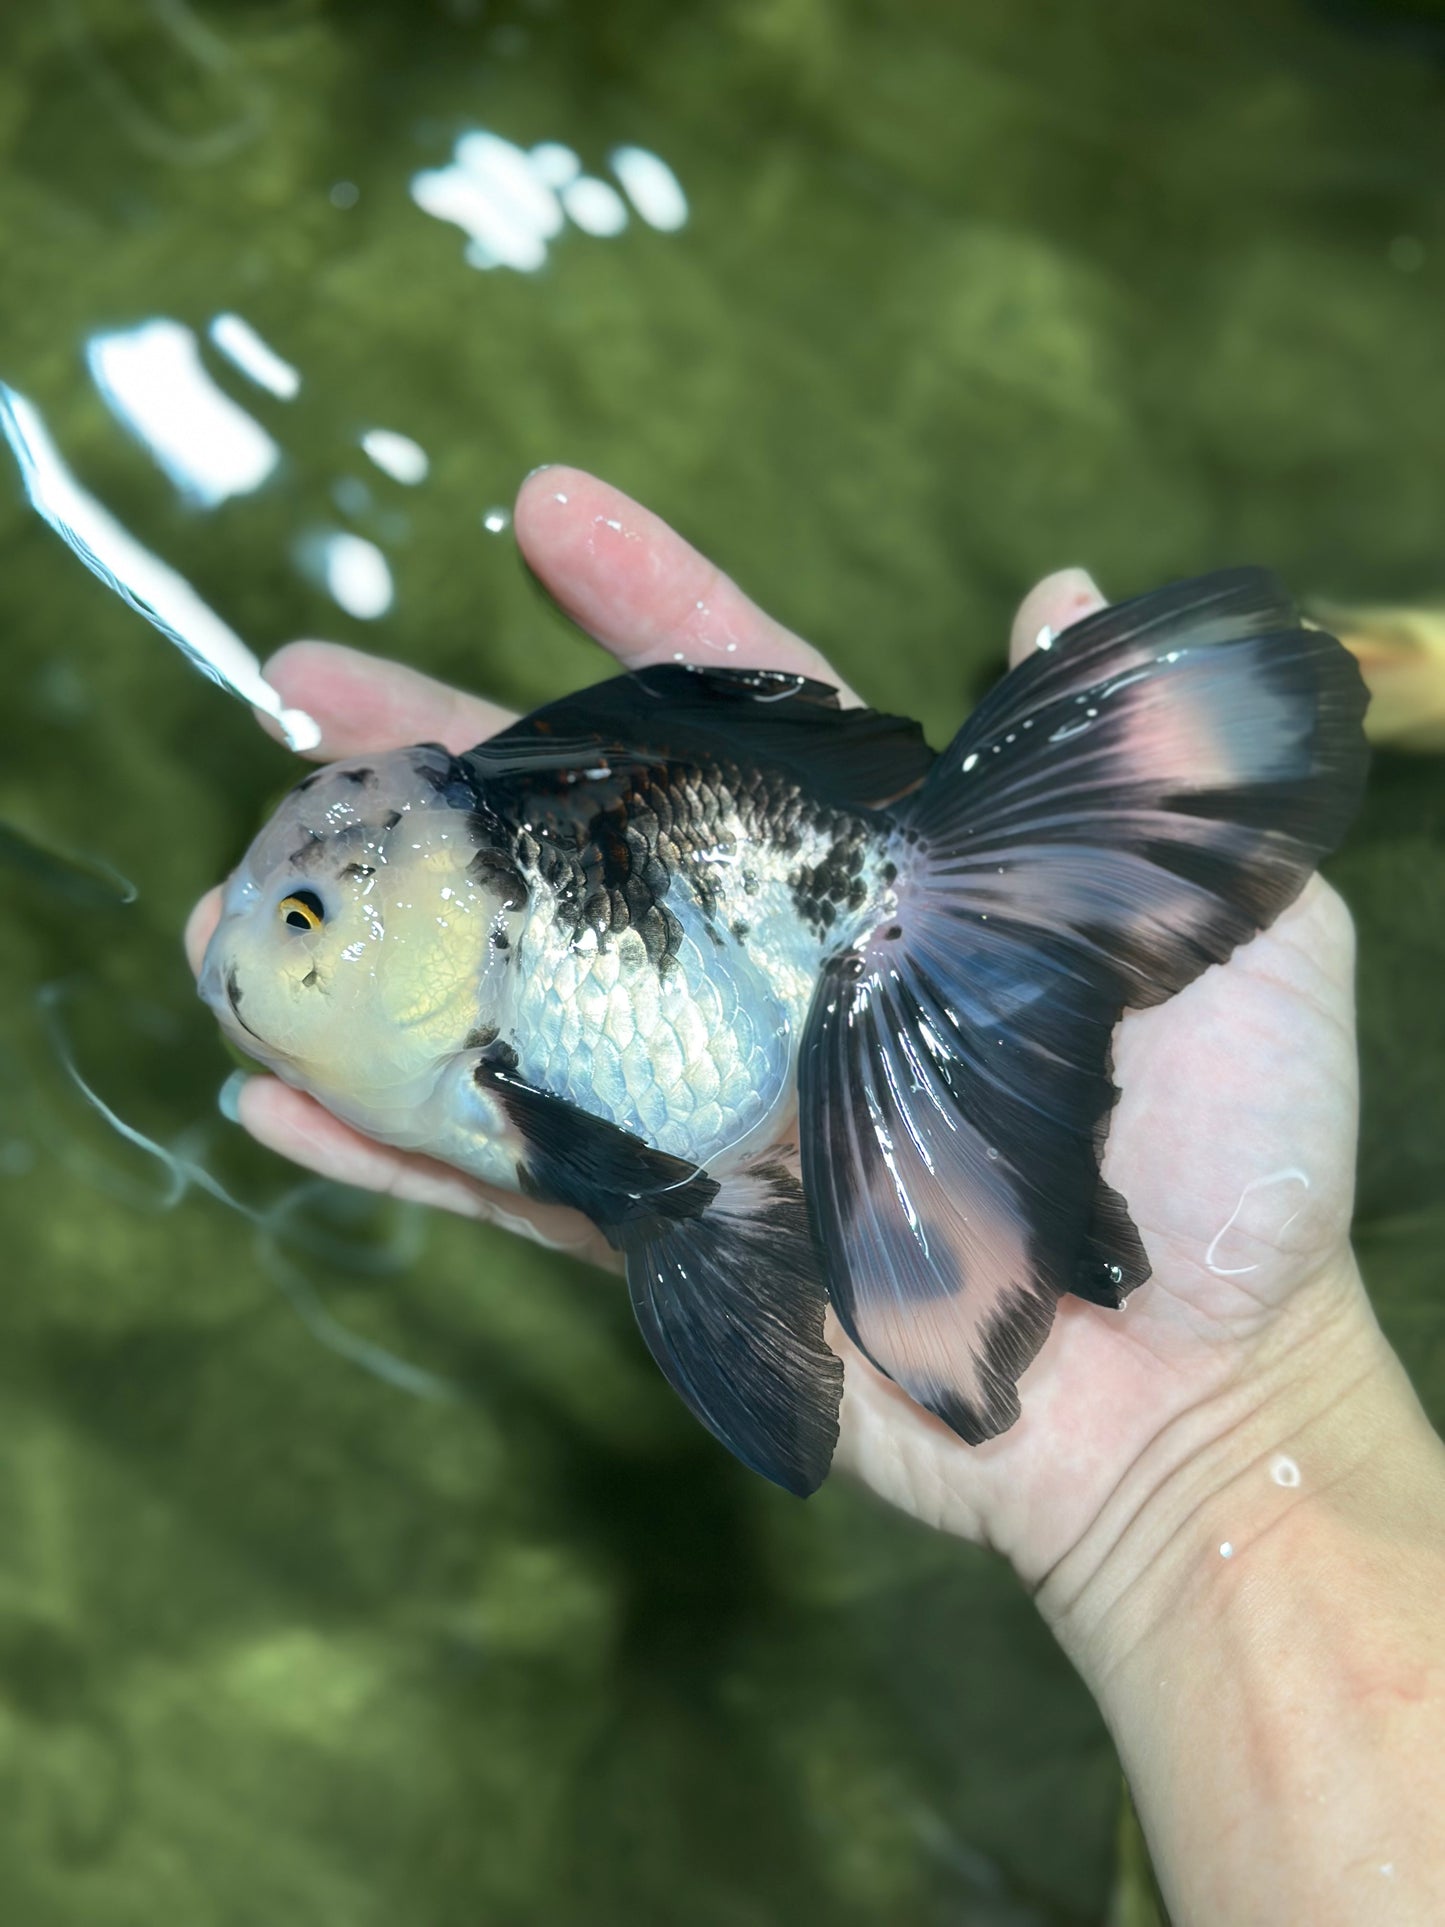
966 293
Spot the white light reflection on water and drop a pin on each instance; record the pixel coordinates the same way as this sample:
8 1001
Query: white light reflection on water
495 196
149 585
353 572
510 202
154 382
239 342
594 206
398 456
554 164
651 186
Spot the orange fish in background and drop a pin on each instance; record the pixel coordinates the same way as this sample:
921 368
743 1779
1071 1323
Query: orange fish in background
1401 653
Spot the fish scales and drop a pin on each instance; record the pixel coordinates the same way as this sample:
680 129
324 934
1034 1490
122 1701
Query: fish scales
671 943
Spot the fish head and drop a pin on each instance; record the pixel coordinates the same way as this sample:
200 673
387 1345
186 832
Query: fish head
352 954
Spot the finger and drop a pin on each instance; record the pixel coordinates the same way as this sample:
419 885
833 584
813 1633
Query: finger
639 588
199 925
363 703
1052 605
298 1128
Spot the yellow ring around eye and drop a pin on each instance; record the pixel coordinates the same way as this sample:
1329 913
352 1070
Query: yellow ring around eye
300 912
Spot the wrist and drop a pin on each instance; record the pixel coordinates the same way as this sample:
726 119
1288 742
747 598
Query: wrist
1258 1612
1313 1430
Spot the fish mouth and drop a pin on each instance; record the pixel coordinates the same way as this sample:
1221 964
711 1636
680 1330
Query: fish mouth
233 998
220 987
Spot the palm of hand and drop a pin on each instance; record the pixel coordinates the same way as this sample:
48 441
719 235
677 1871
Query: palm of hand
1233 1141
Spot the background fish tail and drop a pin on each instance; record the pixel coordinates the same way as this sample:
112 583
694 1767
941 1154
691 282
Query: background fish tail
1119 813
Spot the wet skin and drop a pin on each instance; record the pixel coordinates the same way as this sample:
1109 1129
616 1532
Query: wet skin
1246 1075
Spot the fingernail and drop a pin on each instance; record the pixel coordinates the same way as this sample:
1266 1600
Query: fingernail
228 1098
540 469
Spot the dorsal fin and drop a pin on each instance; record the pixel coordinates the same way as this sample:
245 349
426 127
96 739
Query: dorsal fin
849 758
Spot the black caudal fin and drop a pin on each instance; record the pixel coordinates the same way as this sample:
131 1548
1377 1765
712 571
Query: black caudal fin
723 1274
1120 812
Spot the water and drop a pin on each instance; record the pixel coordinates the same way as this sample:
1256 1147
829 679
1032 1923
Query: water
944 303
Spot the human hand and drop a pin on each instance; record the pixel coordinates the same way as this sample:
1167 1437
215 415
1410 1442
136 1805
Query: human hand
1233 1142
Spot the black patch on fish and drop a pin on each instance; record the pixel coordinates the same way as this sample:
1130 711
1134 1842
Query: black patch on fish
233 992
732 1305
623 1184
448 777
844 759
724 1277
358 870
358 776
611 796
821 890
493 870
308 854
1112 1262
479 1039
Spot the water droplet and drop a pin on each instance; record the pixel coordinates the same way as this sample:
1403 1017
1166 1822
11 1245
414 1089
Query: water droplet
495 521
344 194
993 1153
1226 1551
1284 1471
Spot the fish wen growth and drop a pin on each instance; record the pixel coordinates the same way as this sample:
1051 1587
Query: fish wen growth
796 1011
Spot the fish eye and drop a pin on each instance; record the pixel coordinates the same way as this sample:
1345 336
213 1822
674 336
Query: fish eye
302 910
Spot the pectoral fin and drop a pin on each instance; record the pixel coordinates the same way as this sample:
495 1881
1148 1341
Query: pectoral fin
723 1275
